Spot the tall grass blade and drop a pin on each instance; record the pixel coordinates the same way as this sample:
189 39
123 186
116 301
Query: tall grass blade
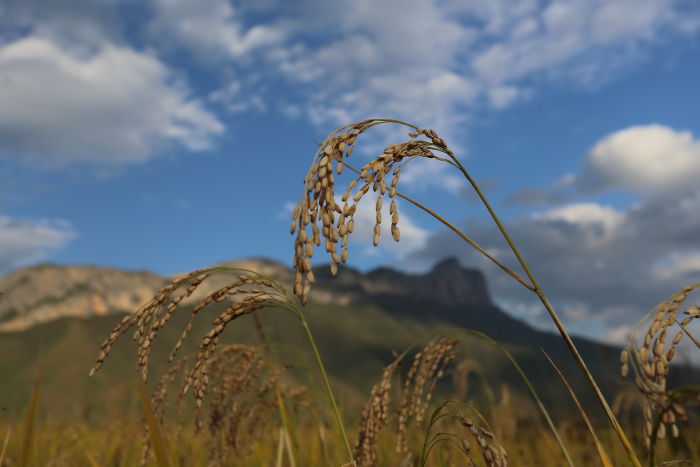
604 459
153 429
555 317
690 336
280 448
4 445
288 448
29 426
91 460
528 384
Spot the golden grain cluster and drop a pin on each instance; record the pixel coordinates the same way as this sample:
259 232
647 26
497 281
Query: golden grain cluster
662 408
320 215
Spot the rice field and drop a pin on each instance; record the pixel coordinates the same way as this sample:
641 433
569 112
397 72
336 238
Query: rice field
235 404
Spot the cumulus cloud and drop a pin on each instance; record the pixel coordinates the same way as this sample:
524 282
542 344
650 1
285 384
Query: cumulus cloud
604 265
208 29
24 241
109 104
438 63
582 34
589 256
643 159
436 58
441 63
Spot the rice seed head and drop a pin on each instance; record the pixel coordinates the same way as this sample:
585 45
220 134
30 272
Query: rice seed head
652 363
248 294
493 453
240 400
419 385
374 417
318 200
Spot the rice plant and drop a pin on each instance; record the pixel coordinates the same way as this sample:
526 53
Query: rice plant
244 386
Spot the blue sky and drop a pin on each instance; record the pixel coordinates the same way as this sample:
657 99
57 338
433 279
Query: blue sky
169 135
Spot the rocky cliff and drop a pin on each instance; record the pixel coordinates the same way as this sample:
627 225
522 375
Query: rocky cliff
46 292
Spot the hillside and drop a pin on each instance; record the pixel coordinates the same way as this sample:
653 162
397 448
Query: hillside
54 318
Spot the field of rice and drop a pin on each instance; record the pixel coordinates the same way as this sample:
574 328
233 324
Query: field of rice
236 404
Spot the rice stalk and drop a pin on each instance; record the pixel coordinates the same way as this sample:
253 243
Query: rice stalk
6 441
280 448
30 426
663 408
243 395
492 452
604 458
288 448
249 293
427 368
319 211
157 439
531 389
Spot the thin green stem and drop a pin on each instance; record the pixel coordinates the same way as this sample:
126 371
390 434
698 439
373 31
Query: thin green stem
435 416
530 388
687 333
560 326
4 445
466 238
326 382
601 451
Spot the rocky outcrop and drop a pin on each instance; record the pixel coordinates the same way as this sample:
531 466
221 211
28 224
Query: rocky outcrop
47 292
448 283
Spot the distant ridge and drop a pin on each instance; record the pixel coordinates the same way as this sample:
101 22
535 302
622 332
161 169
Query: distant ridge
46 292
448 293
53 318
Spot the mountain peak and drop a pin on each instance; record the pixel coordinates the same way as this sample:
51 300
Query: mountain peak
449 265
447 283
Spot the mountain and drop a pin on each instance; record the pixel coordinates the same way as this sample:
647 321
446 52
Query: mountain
53 319
47 292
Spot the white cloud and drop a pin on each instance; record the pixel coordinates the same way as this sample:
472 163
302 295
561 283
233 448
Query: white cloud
381 63
678 265
615 263
424 173
24 241
581 34
440 63
109 104
617 335
595 222
208 28
413 237
646 158
503 96
436 63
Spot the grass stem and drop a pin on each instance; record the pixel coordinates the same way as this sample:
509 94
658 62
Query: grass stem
326 382
558 323
30 426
